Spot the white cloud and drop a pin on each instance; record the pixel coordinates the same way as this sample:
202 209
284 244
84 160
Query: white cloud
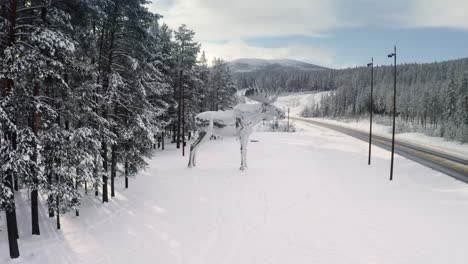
238 49
216 20
222 26
438 13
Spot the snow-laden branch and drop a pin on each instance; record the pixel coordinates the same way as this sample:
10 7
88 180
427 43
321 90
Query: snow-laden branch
28 17
24 43
23 26
24 9
22 34
121 67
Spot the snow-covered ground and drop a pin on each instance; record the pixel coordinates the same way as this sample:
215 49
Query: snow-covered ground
308 197
298 102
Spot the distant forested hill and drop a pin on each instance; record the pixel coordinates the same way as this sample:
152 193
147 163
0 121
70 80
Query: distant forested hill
433 95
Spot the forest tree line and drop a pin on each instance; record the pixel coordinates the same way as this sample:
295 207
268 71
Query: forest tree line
86 88
431 97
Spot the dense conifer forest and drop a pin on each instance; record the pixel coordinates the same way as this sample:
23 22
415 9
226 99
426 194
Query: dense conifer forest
88 87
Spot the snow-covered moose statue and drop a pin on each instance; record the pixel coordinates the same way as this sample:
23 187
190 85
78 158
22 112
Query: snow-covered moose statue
238 122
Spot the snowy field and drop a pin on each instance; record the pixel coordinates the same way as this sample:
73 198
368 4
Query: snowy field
307 197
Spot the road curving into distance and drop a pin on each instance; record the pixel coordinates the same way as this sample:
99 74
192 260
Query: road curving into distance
451 165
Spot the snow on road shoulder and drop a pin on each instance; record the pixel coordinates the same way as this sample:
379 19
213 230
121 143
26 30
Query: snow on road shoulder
437 143
298 102
307 197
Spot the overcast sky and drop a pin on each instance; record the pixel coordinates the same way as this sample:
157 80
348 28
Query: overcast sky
333 33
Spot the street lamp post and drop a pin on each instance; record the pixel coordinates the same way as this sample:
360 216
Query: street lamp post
394 55
371 107
288 119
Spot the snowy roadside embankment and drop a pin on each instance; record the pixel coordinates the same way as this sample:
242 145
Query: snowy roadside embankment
307 197
299 102
437 143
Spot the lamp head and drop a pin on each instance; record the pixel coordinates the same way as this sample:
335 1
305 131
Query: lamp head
370 64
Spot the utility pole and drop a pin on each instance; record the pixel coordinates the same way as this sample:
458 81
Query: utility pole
371 107
288 119
394 55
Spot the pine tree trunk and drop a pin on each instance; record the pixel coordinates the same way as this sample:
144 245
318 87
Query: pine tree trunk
12 238
105 85
179 116
58 163
58 212
12 227
50 201
50 198
183 122
77 212
99 66
113 168
105 197
57 197
114 159
34 193
35 213
15 226
95 176
126 173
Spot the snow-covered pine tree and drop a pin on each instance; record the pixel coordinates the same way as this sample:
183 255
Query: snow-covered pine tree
203 72
161 47
85 86
54 47
221 86
196 98
185 53
8 127
79 113
134 82
22 30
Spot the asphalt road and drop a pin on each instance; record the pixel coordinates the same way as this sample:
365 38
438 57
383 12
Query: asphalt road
453 166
